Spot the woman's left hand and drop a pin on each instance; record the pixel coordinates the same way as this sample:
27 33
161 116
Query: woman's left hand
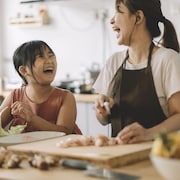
134 133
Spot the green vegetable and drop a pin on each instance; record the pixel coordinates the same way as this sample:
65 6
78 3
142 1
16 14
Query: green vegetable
16 129
3 132
13 130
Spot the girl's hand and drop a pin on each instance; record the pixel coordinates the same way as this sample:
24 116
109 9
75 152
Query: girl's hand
22 110
134 133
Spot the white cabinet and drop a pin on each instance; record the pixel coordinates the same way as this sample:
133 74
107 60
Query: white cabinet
82 117
87 122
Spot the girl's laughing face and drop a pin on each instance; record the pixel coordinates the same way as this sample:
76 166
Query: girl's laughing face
44 68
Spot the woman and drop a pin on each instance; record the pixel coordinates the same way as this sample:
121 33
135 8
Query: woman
37 103
142 83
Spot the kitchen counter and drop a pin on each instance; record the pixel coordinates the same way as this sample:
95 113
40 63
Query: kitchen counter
85 97
78 97
143 169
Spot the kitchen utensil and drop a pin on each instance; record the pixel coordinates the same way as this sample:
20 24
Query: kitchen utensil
94 71
1 99
3 113
107 107
96 171
168 168
29 137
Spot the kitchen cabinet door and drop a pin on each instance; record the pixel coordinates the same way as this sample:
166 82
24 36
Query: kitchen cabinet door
82 117
94 126
87 122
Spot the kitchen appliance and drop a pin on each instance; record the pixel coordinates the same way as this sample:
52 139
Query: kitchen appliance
77 86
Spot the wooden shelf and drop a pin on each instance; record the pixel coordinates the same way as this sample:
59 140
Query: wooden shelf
28 22
30 1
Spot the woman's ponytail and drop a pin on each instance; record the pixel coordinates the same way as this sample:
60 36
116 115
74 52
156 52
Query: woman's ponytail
169 38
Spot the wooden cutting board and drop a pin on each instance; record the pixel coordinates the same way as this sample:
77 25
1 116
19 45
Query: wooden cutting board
107 156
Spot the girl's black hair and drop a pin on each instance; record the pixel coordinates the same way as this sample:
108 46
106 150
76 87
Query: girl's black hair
25 55
152 12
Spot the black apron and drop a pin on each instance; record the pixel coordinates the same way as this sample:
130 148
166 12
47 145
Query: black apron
135 96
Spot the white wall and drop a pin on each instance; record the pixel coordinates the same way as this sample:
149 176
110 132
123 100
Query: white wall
1 35
171 10
76 33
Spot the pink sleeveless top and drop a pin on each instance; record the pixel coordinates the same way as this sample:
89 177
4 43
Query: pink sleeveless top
48 110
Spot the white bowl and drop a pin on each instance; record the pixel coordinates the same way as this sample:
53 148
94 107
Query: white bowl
168 168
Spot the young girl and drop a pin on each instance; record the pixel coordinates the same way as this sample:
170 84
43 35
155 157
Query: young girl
37 103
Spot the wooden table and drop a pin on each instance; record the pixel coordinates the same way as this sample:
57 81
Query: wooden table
143 169
103 156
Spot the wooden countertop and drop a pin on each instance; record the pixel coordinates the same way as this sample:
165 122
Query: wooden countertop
85 97
143 169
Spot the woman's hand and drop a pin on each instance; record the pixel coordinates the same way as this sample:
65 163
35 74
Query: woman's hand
101 112
134 133
99 105
22 110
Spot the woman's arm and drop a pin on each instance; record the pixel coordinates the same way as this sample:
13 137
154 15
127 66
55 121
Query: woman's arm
173 122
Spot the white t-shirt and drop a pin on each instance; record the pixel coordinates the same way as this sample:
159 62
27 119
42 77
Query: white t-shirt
165 65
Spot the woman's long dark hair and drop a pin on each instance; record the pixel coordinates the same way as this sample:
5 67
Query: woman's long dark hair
152 12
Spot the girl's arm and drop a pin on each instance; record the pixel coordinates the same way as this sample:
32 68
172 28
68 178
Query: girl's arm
6 115
67 114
